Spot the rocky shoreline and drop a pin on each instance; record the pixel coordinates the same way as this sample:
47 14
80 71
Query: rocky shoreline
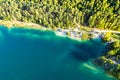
109 66
110 63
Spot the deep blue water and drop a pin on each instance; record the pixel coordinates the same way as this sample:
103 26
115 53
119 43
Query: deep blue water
27 54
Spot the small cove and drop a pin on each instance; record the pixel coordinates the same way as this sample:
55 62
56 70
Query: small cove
27 54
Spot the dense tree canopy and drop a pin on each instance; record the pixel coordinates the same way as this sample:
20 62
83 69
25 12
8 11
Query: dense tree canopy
103 14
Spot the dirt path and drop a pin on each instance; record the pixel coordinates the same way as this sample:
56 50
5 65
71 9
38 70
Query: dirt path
104 31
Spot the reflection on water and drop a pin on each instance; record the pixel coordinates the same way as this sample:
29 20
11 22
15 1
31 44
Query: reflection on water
41 55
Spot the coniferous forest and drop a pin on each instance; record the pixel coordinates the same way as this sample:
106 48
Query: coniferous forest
102 14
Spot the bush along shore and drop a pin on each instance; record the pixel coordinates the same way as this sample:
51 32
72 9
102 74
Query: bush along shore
110 60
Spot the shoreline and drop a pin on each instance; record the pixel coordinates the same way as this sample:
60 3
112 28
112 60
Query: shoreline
79 33
18 24
26 25
75 34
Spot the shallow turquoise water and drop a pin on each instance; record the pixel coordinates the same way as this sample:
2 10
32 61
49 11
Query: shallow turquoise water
41 55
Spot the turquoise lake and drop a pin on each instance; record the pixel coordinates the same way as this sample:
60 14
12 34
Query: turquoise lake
27 54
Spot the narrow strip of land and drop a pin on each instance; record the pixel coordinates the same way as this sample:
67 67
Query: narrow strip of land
104 31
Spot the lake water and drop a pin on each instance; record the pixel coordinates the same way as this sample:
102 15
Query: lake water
41 55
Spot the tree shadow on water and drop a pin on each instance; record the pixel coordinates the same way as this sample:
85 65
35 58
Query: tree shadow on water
87 50
83 51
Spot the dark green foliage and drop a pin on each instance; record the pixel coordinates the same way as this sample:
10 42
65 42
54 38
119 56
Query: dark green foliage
103 14
110 62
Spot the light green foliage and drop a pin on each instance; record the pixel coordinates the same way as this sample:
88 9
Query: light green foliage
106 37
115 49
85 36
112 53
116 44
103 14
68 33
